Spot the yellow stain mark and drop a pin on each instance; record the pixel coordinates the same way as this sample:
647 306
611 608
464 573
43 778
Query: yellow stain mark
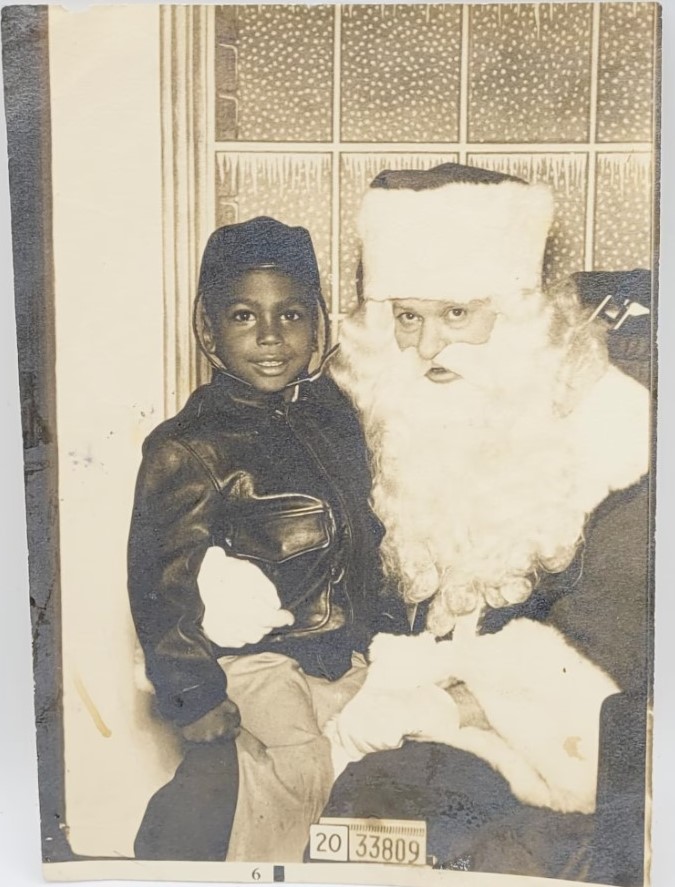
101 726
571 746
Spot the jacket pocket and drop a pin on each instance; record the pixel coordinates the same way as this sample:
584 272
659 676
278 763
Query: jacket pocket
278 528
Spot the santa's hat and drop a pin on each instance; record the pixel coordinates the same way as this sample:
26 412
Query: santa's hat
453 233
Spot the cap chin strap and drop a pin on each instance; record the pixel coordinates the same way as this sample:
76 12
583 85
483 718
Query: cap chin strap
312 377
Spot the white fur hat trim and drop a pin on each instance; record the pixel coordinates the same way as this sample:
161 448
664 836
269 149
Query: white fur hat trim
459 242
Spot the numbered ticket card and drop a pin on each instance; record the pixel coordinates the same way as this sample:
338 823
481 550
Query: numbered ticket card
369 840
336 333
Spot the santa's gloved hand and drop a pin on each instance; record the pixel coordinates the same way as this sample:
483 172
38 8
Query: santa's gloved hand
376 720
241 603
403 662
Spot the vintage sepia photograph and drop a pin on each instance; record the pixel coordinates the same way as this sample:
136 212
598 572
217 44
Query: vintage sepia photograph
336 331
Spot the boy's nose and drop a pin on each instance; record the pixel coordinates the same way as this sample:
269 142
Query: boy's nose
268 333
432 340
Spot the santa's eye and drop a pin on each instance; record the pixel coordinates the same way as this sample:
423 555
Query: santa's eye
408 319
456 316
457 313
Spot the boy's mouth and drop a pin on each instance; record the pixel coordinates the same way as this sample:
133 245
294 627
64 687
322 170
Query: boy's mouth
271 366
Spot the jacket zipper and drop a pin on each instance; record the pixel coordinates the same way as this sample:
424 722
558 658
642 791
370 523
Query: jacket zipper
345 511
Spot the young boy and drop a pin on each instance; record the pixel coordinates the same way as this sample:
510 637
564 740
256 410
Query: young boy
261 483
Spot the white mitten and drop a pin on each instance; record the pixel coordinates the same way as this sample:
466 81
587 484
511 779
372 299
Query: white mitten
405 661
241 604
397 701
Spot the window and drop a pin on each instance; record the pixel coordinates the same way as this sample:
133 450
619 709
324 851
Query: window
291 111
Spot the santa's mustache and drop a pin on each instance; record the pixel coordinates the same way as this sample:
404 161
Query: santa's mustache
514 357
471 363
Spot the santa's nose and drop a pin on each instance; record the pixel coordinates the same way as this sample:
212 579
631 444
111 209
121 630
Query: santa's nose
432 340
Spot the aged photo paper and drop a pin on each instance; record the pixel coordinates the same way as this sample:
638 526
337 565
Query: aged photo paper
336 333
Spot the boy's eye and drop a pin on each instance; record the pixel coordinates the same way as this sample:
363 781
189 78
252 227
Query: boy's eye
242 316
292 315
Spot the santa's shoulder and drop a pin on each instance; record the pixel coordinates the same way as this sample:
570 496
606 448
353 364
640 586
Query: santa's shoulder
610 427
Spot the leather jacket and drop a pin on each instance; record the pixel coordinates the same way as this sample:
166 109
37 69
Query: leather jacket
283 484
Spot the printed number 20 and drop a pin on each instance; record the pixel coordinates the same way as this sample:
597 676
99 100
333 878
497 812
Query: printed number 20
334 842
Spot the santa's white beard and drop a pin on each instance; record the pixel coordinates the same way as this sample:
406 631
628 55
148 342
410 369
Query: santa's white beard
475 480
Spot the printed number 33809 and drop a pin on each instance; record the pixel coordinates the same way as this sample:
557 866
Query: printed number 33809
383 841
386 849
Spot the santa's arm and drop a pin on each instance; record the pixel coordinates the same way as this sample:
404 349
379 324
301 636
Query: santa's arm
606 614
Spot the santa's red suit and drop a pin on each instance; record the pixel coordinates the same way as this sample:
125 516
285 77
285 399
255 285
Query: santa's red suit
536 764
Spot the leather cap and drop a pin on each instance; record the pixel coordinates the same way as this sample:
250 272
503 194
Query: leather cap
258 243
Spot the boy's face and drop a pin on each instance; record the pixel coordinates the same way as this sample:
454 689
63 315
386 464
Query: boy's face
265 332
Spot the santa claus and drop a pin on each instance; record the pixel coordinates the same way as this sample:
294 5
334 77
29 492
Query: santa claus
510 463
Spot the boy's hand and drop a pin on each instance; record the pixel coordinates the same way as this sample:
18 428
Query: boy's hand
241 604
222 722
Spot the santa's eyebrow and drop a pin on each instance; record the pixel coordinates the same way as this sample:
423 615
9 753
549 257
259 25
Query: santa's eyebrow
471 305
413 306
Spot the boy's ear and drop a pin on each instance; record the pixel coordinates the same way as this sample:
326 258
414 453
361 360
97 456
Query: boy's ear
208 339
318 332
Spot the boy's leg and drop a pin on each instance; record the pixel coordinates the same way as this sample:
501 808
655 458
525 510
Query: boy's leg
285 767
191 816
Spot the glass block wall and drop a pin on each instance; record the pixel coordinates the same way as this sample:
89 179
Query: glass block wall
310 103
